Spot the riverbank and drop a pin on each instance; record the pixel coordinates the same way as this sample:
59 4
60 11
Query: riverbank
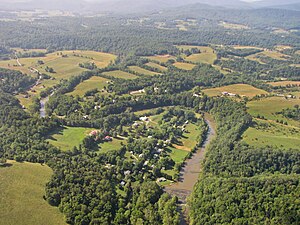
189 174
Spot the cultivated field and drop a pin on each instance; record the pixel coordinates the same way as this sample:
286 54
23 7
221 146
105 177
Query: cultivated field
90 84
284 83
207 54
68 137
22 186
269 53
240 89
142 71
184 66
234 26
161 58
157 66
120 74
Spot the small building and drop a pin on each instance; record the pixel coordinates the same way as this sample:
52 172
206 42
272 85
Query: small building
108 138
161 179
144 118
127 172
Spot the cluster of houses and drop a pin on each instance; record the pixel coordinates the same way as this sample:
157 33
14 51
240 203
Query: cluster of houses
97 133
225 93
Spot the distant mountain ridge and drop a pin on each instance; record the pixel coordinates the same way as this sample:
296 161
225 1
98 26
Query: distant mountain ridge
134 6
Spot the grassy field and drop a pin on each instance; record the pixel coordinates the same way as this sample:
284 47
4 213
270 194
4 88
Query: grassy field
90 84
240 89
116 144
268 107
68 137
161 58
142 71
269 53
272 134
22 186
190 139
120 74
284 83
64 67
184 66
244 47
234 26
157 66
207 54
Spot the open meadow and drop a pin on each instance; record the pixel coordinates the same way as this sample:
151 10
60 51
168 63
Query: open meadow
94 82
143 71
268 133
238 89
120 74
22 186
268 107
184 66
157 66
68 137
206 55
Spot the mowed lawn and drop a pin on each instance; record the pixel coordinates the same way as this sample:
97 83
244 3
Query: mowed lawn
190 139
240 89
207 54
184 66
22 186
90 84
120 74
68 137
268 107
273 134
142 71
116 144
157 66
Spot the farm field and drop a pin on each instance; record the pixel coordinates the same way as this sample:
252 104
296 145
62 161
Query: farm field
269 53
142 71
233 26
64 67
184 66
207 54
240 89
120 74
22 186
245 47
268 107
284 83
68 137
161 58
157 66
90 84
272 134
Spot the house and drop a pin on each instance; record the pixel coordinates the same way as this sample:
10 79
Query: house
141 155
123 183
85 117
136 125
161 179
94 133
144 118
108 138
127 172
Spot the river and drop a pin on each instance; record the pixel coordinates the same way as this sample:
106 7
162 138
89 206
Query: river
189 174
